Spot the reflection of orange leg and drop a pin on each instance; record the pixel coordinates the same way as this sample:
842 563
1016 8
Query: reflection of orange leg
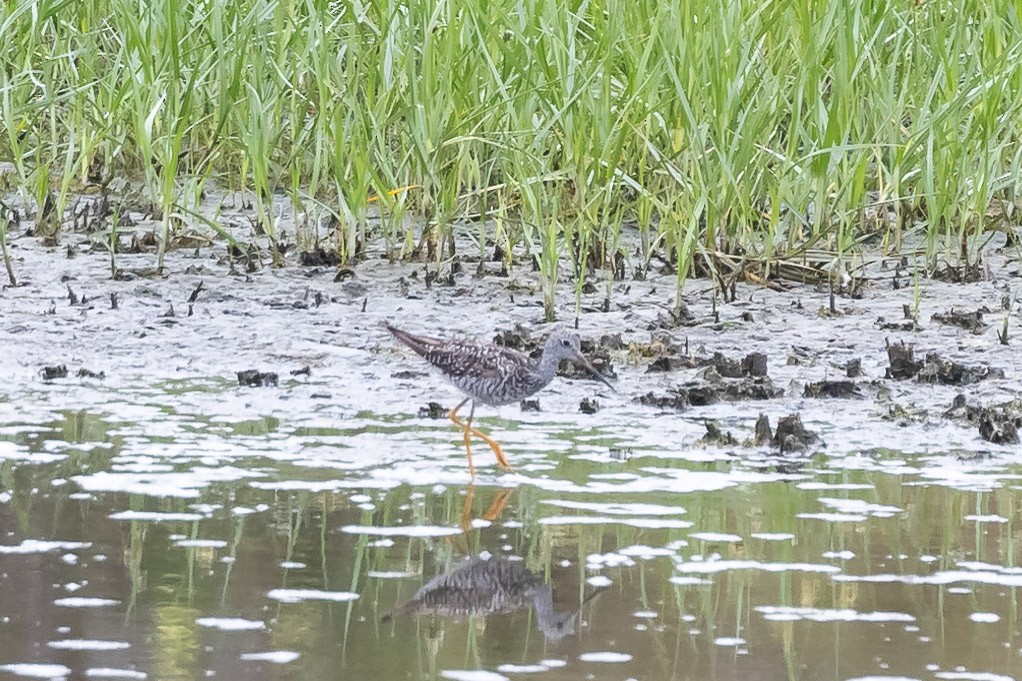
499 502
466 431
466 509
491 514
466 426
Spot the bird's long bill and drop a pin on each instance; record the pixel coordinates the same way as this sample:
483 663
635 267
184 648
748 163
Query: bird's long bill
580 358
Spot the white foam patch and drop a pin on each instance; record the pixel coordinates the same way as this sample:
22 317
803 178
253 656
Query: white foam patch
40 546
472 675
522 668
605 656
973 676
883 678
230 623
716 536
646 523
977 565
275 656
156 516
986 518
948 577
88 644
110 673
985 617
712 566
618 508
410 531
183 484
860 507
841 555
391 574
324 485
832 517
782 613
82 602
814 485
36 671
957 477
299 595
773 536
201 543
729 641
688 581
646 552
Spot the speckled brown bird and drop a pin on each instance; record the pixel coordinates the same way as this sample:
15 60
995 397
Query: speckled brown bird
494 375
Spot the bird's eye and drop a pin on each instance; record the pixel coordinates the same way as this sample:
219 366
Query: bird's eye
566 343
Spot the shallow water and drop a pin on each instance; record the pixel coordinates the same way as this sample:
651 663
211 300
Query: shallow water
182 542
165 523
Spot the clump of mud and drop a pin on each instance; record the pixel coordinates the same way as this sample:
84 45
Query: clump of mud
588 406
970 321
833 389
50 373
671 357
433 410
529 405
253 378
934 368
715 436
790 437
724 379
998 424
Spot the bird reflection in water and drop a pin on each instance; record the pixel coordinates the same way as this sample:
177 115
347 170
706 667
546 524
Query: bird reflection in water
488 587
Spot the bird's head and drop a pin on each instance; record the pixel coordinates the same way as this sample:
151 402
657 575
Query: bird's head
564 344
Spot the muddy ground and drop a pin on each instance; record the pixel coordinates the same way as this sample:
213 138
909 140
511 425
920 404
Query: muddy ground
881 369
234 471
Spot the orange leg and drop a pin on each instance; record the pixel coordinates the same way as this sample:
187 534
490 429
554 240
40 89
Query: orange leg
467 428
466 431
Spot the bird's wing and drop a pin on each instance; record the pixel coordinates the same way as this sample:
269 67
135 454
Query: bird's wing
463 359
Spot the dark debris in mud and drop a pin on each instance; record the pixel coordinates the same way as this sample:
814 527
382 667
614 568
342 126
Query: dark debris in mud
904 416
833 389
529 405
998 424
53 372
752 365
710 387
433 410
588 406
408 374
253 378
319 257
934 368
715 436
966 273
970 321
792 436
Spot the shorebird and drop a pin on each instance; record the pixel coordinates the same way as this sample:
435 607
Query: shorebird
494 375
488 587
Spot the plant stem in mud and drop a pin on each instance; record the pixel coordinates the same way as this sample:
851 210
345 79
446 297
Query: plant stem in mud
3 247
548 263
